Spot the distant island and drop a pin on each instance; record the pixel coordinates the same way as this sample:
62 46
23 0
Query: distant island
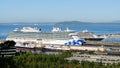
71 23
81 22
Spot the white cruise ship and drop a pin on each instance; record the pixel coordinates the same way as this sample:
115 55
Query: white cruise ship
55 37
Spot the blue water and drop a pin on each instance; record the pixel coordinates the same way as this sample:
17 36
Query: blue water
97 28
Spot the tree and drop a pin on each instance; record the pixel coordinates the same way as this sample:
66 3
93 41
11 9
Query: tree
7 44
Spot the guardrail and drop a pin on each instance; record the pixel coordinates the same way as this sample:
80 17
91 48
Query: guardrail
8 52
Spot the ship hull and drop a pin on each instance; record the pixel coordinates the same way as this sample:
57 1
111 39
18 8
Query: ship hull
93 39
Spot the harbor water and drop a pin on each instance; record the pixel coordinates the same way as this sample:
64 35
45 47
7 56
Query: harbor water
97 28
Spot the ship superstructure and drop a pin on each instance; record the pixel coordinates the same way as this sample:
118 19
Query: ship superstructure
38 35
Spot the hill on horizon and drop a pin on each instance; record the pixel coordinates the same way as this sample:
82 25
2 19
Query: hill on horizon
81 22
71 23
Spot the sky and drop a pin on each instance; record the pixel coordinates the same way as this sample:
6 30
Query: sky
59 10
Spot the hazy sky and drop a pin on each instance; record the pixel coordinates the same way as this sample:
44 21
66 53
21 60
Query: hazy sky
59 10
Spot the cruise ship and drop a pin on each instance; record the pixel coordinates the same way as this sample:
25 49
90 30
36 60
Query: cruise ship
90 36
55 37
29 37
